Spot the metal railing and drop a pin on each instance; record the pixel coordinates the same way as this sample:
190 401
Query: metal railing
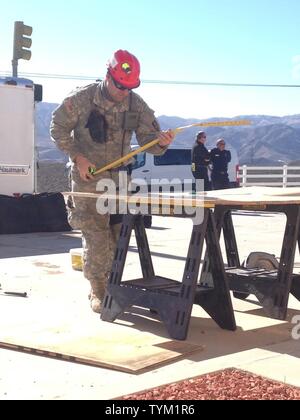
279 176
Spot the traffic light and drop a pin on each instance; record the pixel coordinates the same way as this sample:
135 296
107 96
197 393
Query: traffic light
22 42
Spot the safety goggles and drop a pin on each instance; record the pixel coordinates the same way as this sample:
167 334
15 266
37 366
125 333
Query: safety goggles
118 86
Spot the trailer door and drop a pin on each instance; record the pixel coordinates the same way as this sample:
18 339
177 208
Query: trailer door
17 146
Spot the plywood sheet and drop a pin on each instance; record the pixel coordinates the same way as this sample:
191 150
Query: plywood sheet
254 196
104 345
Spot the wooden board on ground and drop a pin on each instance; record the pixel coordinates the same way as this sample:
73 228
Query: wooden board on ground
93 342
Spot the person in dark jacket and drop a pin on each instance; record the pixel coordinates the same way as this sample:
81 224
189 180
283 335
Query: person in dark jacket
200 160
219 158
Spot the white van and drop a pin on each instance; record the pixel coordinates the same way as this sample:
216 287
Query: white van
175 164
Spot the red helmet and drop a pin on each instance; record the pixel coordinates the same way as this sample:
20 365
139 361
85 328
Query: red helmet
124 68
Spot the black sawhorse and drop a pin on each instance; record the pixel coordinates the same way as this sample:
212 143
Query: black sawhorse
173 300
271 288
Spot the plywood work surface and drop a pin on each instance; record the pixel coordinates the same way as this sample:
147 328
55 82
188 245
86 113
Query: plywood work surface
235 196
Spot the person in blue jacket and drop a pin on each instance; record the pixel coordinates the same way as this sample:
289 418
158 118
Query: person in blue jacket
219 159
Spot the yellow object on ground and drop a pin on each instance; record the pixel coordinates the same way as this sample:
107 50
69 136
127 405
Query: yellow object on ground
76 258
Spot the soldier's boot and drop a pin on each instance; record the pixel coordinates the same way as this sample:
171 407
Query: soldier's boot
95 303
95 297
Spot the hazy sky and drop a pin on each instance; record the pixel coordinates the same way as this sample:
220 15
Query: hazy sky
230 41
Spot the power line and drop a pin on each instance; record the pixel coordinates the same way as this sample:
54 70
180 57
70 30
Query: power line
160 82
52 76
178 82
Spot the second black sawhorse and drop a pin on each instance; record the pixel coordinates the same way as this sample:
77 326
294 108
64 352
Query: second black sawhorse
173 300
271 287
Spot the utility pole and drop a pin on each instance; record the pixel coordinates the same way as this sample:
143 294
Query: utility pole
21 46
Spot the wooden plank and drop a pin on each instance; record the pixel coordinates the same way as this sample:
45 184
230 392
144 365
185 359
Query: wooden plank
150 199
251 196
109 346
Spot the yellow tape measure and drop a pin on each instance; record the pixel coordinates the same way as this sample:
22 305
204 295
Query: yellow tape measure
119 162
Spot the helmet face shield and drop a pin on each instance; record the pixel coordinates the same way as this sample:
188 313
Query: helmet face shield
124 69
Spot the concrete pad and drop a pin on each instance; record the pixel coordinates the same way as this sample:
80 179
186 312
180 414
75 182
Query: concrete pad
59 295
22 245
288 368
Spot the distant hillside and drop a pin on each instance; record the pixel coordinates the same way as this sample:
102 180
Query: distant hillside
45 146
268 140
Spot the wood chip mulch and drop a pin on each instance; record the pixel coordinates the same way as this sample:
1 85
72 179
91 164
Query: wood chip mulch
229 384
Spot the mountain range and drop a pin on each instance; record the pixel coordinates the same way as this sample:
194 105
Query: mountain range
269 140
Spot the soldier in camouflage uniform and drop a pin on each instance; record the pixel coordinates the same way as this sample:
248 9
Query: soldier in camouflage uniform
94 126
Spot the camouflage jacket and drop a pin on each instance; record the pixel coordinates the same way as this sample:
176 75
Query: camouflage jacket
70 132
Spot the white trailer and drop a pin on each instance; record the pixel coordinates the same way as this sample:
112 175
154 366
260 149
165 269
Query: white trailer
17 145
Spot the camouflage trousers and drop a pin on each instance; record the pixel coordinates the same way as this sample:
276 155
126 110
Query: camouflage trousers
99 238
98 252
